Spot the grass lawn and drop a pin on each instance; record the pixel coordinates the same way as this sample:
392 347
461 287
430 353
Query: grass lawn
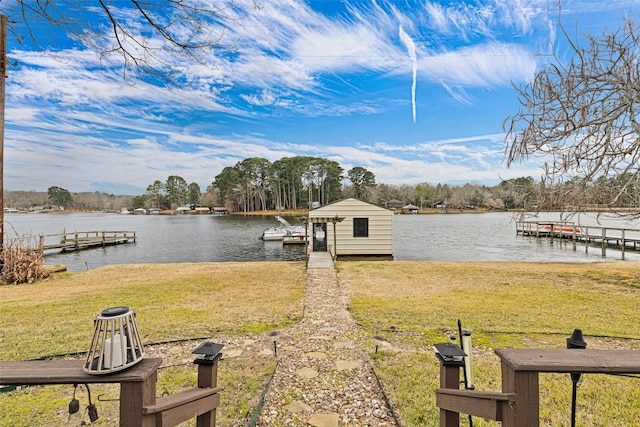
415 305
412 304
172 302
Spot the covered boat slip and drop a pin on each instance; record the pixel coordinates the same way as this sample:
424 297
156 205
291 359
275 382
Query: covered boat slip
350 227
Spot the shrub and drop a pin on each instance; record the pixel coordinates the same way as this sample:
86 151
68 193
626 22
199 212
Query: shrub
21 261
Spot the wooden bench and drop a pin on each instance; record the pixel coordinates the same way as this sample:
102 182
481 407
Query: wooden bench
138 404
518 403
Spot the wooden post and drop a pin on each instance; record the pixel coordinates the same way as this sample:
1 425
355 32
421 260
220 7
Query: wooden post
525 386
449 378
604 238
306 243
335 242
623 244
586 240
134 396
208 378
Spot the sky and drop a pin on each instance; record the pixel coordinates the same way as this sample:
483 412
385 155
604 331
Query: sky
412 91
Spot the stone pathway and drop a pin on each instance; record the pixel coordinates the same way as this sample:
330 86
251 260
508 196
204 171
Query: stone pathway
323 377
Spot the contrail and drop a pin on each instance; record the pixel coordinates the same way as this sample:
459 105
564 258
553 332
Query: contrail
411 48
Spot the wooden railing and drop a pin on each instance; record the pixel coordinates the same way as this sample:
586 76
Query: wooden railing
84 239
602 236
139 406
518 403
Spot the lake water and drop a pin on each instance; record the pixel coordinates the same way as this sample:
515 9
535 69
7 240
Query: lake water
206 238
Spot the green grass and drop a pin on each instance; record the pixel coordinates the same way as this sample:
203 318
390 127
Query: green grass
172 302
412 304
505 305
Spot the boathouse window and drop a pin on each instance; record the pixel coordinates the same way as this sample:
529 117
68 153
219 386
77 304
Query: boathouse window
360 227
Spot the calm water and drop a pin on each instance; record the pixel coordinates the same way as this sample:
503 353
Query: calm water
186 238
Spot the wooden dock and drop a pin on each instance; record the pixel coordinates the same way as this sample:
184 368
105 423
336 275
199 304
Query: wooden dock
294 240
84 240
599 236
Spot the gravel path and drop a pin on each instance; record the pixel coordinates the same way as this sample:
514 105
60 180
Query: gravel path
323 377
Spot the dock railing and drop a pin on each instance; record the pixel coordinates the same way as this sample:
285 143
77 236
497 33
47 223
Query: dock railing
84 239
600 236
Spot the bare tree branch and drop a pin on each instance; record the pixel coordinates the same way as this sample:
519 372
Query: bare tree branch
581 118
149 36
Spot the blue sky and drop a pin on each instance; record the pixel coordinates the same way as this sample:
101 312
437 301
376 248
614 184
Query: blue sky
413 91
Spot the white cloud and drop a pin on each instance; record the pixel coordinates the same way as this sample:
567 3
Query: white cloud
484 65
71 117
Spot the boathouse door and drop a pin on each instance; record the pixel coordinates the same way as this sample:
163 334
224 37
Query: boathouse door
320 237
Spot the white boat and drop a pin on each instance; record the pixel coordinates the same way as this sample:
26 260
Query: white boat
286 229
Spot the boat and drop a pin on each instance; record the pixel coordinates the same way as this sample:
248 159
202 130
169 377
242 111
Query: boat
563 229
285 229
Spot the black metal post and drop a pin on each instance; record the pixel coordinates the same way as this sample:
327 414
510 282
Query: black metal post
575 341
464 368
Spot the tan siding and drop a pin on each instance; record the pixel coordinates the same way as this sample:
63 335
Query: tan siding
380 240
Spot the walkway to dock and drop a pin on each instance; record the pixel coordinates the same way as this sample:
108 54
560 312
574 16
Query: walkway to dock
324 377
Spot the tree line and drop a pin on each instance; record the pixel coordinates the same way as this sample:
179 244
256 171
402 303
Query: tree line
295 183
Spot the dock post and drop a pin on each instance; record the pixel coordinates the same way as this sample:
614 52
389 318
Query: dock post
586 240
604 239
623 244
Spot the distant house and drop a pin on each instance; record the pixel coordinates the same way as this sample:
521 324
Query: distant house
361 229
394 204
411 209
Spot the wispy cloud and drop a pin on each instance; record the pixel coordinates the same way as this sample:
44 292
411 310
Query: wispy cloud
328 79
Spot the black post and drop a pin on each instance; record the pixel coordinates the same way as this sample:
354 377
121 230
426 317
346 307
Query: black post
464 367
575 341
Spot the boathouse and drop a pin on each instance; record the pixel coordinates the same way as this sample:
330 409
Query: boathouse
410 209
361 229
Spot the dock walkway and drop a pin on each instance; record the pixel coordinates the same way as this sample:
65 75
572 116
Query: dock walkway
84 239
601 236
323 377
